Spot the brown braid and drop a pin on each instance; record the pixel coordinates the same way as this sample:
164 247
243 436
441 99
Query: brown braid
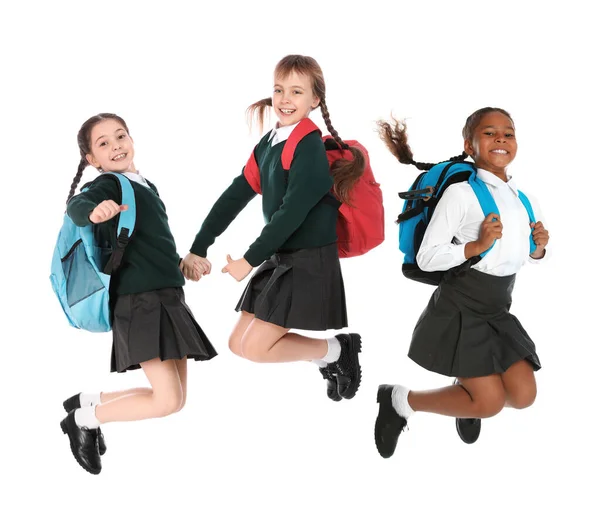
82 165
83 141
396 141
345 172
258 110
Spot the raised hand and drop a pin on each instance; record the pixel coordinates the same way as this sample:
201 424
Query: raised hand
106 210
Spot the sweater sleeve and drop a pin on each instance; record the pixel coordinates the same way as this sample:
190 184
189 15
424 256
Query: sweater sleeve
309 181
231 202
80 206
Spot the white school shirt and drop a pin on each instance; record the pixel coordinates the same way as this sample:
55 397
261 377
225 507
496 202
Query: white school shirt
457 220
280 134
138 178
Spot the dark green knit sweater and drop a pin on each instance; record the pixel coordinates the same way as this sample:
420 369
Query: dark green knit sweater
150 261
294 216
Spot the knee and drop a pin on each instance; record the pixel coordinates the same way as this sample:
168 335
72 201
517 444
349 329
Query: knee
170 403
254 354
235 345
490 405
523 398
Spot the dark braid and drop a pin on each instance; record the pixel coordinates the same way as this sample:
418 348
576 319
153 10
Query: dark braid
396 140
345 172
82 165
258 110
83 142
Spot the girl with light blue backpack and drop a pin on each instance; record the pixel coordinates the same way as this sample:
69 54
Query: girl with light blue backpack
153 328
469 234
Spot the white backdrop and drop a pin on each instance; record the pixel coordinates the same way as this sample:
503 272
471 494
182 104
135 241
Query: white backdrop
264 439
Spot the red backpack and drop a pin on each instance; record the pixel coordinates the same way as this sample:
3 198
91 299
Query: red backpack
360 227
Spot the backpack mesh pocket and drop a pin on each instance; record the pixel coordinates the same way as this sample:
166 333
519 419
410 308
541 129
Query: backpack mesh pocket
81 278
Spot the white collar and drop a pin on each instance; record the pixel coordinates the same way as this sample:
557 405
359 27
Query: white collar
496 182
280 134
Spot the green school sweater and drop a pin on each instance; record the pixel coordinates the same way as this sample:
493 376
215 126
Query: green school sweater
150 261
295 217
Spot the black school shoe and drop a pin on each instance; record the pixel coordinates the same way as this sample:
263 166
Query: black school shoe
328 373
73 403
347 367
84 444
468 428
389 424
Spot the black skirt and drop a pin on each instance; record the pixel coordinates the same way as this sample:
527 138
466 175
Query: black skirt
155 324
467 330
301 289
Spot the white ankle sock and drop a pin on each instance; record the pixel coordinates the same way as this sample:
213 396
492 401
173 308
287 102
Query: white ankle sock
334 349
400 401
89 400
86 416
319 363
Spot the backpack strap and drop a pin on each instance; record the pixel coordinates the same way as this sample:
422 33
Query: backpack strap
304 127
126 222
486 201
527 204
252 173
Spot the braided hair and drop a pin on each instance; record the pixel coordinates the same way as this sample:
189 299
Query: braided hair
345 172
394 137
83 141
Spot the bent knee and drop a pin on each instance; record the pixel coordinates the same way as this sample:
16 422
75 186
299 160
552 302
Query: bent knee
235 345
167 405
254 354
490 405
523 398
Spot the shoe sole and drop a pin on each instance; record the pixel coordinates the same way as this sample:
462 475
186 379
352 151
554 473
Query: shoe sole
63 426
380 395
457 420
355 346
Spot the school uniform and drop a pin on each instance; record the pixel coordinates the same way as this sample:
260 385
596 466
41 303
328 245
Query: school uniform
299 284
467 329
150 318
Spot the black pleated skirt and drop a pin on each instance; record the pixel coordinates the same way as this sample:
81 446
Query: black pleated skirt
467 329
155 324
301 289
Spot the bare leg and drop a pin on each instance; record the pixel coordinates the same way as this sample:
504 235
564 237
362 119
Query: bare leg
235 339
165 398
475 398
519 385
266 342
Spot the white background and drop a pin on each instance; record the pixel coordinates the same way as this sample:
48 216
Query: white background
264 439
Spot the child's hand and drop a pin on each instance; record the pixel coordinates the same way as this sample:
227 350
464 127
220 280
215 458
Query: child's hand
540 237
106 210
194 267
239 269
490 230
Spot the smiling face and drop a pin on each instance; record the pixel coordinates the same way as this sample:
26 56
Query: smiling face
111 147
493 144
293 98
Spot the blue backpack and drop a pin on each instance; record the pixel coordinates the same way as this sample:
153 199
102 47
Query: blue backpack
82 265
420 203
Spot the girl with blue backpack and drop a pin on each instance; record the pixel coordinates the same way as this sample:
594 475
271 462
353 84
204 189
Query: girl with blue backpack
471 241
153 328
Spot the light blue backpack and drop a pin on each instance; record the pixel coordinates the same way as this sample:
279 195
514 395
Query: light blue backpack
421 201
82 266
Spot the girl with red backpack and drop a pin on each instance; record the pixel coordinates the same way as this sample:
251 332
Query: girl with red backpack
299 282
